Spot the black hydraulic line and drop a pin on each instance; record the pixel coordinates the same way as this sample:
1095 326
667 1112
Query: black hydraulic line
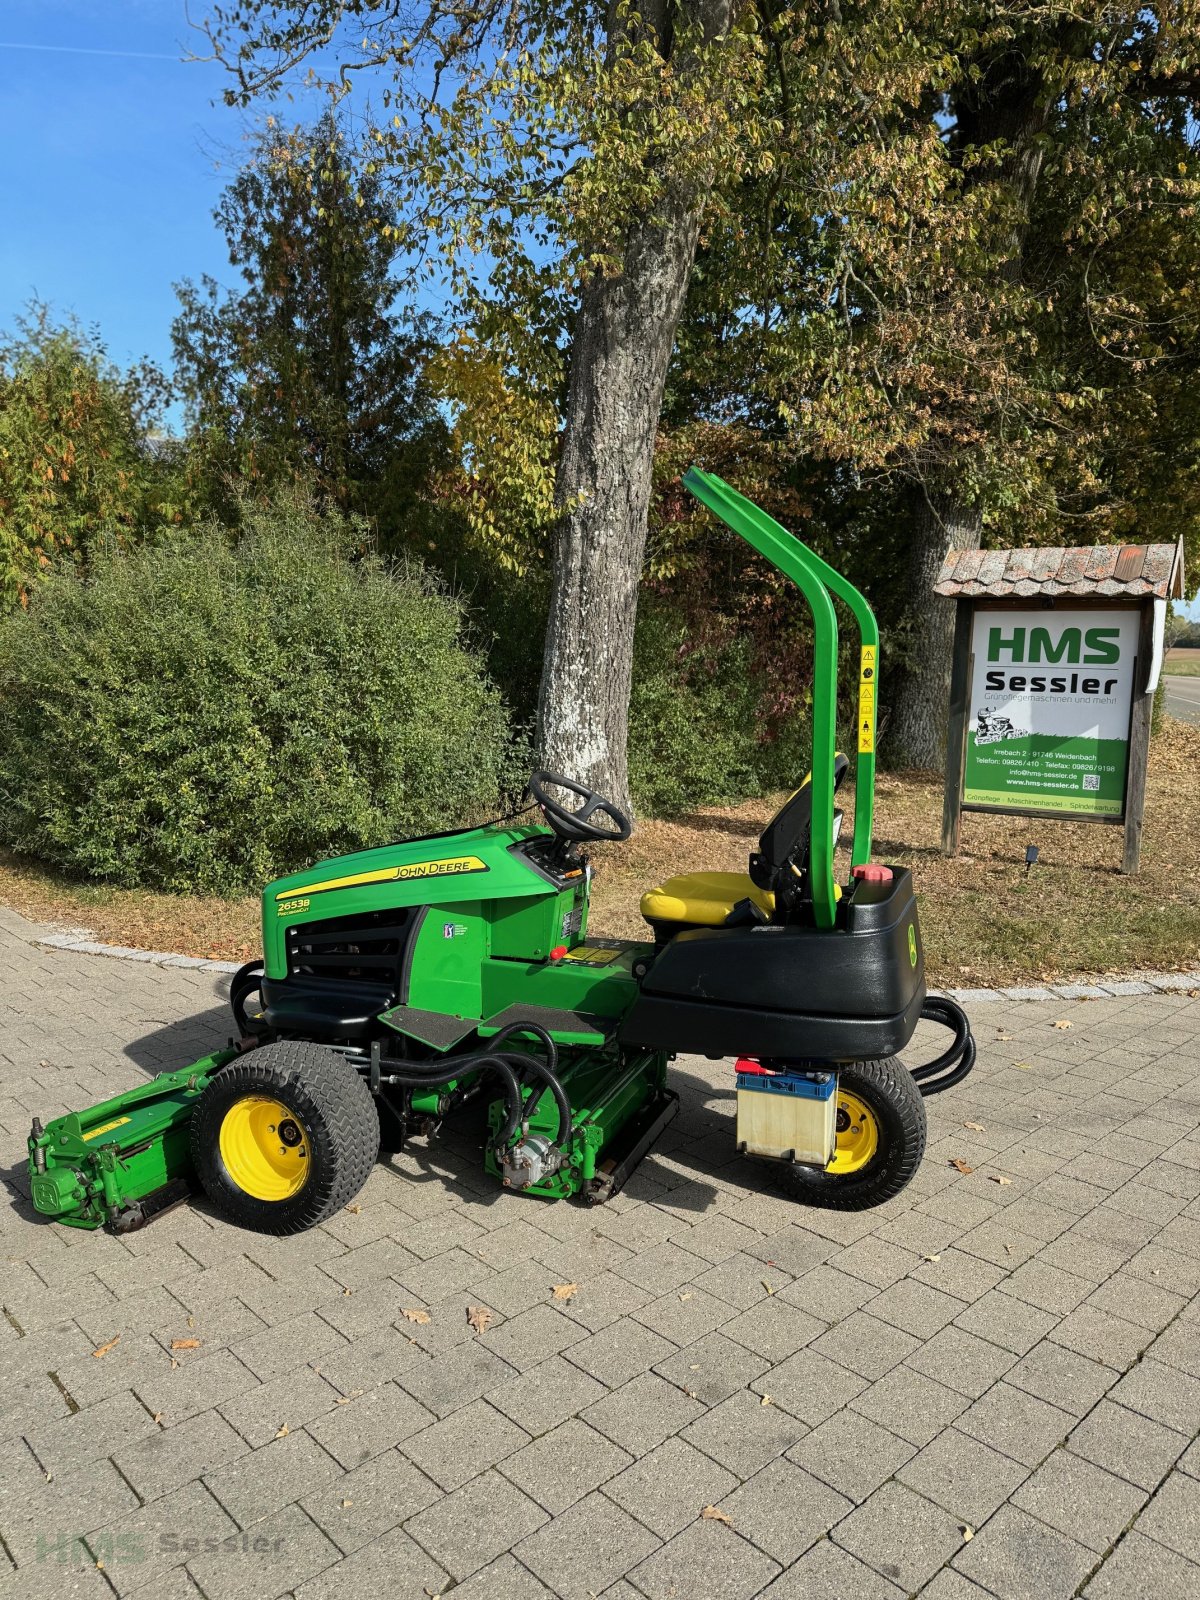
554 1084
953 1065
414 1078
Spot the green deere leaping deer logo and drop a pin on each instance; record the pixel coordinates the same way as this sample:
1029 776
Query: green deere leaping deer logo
912 943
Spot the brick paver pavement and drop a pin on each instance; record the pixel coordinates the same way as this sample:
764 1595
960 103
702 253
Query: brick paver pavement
989 1386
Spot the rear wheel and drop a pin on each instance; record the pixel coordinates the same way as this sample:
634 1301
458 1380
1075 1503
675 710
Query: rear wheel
285 1137
880 1139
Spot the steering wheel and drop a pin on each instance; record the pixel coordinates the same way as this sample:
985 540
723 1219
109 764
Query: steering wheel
577 826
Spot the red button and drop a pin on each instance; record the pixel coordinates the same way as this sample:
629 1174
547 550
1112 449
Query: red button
869 872
558 952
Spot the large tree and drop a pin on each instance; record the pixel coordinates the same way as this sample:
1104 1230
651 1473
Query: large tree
310 370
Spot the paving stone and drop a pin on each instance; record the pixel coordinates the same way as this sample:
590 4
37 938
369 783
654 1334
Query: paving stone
962 1361
1080 1500
564 1465
167 1458
1140 1567
293 1398
783 1510
471 1526
270 1478
865 1345
951 1585
1162 1394
355 1508
852 1454
642 1413
1147 1304
1173 1516
455 1377
684 1315
1017 1557
464 1444
1019 1424
143 1545
708 1559
826 1293
1006 1321
195 1385
964 1476
586 1548
810 1386
605 1299
826 1572
917 1308
369 1424
273 1558
667 1488
1104 1338
1068 1380
621 1351
506 1579
774 1329
903 1536
39 1521
539 1400
1127 1443
89 1435
743 1434
391 1564
712 1369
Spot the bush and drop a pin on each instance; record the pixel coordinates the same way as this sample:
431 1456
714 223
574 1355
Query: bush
204 715
700 732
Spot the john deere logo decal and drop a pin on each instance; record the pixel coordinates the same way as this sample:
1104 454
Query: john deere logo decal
912 944
447 867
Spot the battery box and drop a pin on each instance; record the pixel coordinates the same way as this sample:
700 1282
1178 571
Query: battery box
786 1116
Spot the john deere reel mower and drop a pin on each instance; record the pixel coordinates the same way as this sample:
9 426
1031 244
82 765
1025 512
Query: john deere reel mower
397 985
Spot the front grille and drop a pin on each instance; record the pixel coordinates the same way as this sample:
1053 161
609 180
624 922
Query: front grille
368 947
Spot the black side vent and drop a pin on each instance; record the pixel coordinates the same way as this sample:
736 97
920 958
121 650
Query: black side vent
364 948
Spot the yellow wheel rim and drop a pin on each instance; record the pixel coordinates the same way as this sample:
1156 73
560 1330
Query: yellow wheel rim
857 1135
265 1148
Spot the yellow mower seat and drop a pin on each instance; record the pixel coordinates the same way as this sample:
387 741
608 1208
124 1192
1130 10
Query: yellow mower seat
704 898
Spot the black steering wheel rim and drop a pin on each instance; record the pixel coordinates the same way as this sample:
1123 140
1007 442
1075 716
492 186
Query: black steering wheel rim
576 826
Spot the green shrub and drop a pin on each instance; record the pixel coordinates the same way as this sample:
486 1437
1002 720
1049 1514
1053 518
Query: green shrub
700 732
204 715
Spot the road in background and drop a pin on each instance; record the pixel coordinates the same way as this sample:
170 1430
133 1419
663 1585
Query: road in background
1183 698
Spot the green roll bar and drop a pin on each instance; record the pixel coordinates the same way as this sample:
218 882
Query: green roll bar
817 581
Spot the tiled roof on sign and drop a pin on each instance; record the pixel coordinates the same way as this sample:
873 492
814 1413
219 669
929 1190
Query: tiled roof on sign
1114 570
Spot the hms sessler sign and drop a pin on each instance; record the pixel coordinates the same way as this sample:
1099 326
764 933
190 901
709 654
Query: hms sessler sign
1050 702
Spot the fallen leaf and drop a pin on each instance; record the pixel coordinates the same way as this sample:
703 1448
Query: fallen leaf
975 1127
711 1514
99 1566
766 1286
99 1354
282 1431
480 1318
416 1314
1004 1038
565 1291
686 1295
966 1530
998 1177
1023 1066
765 1401
347 1293
1064 1024
191 1322
185 1344
346 1504
691 1393
960 1165
931 1258
174 1365
355 1209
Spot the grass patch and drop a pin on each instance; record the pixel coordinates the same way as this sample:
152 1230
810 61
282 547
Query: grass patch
985 921
1182 662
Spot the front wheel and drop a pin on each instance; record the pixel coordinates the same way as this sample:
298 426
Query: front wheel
285 1137
880 1139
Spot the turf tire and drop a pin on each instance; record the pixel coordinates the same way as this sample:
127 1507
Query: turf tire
888 1088
333 1104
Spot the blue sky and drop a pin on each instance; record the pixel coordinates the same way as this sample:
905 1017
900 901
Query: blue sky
114 153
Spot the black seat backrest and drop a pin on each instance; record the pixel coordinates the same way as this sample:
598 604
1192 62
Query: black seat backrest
789 827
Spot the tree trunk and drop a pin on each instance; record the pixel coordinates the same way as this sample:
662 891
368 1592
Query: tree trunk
621 345
920 692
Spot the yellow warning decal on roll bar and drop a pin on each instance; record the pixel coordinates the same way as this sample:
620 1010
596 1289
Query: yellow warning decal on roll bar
866 700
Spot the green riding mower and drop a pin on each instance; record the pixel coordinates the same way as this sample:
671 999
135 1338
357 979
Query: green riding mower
398 984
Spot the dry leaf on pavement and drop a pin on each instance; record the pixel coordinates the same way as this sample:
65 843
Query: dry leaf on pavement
998 1177
966 1530
565 1291
185 1344
480 1318
415 1314
99 1354
975 1127
960 1165
282 1431
711 1514
1064 1024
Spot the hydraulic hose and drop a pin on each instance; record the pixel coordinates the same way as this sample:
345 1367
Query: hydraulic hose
953 1065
